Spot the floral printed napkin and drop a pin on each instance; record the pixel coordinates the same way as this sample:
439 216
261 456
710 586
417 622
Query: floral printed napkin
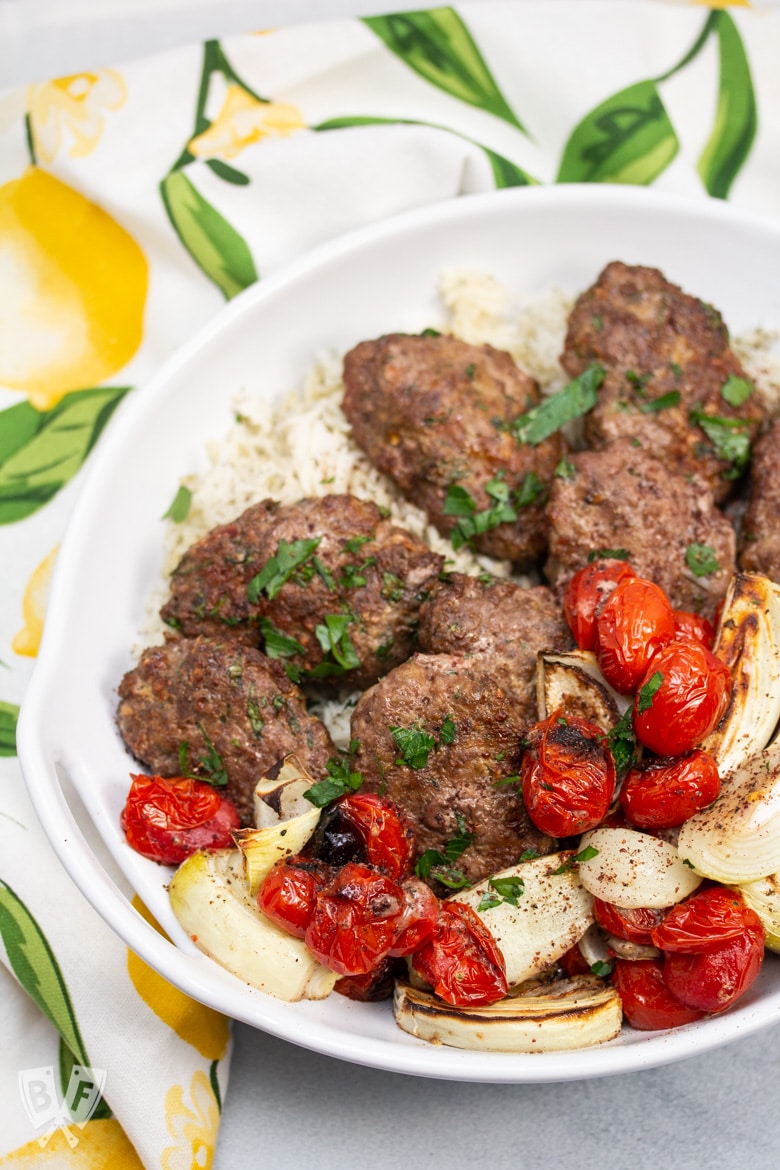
133 202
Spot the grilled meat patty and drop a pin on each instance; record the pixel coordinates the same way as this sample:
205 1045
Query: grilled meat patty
221 711
760 536
499 625
434 414
328 584
668 362
622 498
437 736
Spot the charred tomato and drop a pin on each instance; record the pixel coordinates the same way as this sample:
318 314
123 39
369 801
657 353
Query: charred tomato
167 820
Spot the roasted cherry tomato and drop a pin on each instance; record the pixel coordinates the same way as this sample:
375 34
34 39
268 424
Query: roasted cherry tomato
568 776
289 892
167 820
631 925
574 962
357 918
707 918
713 945
418 917
662 792
462 962
386 832
693 625
636 621
377 984
586 594
681 698
648 1005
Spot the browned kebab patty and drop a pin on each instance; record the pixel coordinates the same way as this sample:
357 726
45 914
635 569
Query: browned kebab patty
621 498
760 535
217 710
659 345
499 625
433 413
347 610
437 735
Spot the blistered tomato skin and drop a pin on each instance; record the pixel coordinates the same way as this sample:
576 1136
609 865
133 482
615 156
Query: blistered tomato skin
663 792
693 625
167 820
648 1004
356 920
633 926
462 962
568 776
692 696
587 593
708 918
636 622
385 830
289 893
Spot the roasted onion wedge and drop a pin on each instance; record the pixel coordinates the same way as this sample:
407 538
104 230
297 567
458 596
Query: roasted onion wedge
553 912
210 898
748 642
737 839
549 1017
285 821
573 682
763 896
633 869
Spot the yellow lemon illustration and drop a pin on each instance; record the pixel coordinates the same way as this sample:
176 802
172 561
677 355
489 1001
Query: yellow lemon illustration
74 108
28 640
72 290
194 1126
206 1030
244 120
100 1145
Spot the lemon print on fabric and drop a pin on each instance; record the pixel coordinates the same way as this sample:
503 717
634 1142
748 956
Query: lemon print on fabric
72 108
36 595
200 1026
193 1126
244 120
72 311
100 1145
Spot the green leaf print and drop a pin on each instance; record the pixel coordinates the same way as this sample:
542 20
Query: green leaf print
437 45
736 118
34 965
41 451
628 138
215 246
9 715
505 172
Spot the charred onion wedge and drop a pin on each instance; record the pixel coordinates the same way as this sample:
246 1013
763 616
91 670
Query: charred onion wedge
285 821
748 642
574 683
210 898
548 1017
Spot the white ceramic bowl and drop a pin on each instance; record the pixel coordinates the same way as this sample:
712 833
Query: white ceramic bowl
372 282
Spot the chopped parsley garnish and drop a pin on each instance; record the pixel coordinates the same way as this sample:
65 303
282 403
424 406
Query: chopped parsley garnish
340 653
392 587
609 554
277 644
280 568
448 729
508 889
340 780
735 390
565 470
663 402
505 781
211 765
180 506
728 436
584 855
431 333
352 575
701 560
527 854
458 502
323 572
621 743
414 745
575 399
441 865
602 968
647 692
355 543
638 381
